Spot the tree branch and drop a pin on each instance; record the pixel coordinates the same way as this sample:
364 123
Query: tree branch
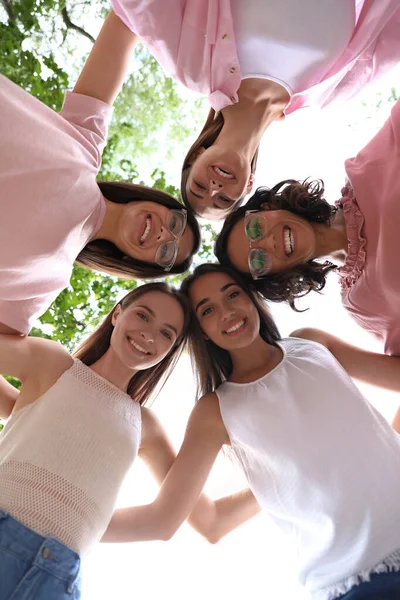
9 9
70 25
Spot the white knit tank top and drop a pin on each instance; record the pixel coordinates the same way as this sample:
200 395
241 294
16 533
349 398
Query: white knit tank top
323 463
63 457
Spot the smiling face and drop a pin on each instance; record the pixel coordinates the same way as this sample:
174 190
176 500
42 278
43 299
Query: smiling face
218 179
146 330
287 239
145 226
226 314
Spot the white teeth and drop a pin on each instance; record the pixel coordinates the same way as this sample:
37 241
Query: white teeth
146 231
235 327
223 173
288 240
135 345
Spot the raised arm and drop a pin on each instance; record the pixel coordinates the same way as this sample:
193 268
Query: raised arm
205 435
212 519
107 64
373 368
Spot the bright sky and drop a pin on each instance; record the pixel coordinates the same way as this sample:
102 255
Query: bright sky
254 560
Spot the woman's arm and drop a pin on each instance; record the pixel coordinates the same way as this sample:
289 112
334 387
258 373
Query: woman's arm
107 64
8 397
212 519
373 368
205 435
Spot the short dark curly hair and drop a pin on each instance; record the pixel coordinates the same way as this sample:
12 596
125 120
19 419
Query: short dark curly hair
305 199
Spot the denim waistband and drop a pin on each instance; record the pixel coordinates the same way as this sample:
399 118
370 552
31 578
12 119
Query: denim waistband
46 553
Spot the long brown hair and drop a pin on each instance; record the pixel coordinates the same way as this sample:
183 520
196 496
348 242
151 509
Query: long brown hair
149 382
305 199
103 255
208 135
213 364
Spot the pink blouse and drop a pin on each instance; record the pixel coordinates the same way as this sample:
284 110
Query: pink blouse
194 42
370 278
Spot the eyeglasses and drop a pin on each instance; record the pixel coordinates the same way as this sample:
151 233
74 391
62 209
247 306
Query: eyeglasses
167 251
255 228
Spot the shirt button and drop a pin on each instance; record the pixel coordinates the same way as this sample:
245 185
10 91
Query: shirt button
46 552
232 69
233 99
225 36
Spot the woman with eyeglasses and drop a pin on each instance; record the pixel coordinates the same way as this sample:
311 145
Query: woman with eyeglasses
281 239
258 60
54 212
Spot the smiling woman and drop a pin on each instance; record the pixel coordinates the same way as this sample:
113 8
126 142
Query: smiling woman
276 238
56 213
146 233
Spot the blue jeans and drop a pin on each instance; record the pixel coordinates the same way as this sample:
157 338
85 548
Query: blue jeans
383 586
33 567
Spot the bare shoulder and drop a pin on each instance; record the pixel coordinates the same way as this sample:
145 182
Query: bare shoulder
151 426
46 361
48 355
207 415
315 335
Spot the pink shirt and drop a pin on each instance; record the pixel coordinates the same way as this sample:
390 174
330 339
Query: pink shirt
194 42
371 276
51 203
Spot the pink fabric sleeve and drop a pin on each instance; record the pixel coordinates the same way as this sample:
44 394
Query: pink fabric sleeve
90 117
20 315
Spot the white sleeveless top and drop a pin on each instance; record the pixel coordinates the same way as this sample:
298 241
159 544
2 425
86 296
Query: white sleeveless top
323 463
291 42
63 457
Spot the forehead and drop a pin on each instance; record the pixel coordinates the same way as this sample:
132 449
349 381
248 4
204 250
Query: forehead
209 286
165 307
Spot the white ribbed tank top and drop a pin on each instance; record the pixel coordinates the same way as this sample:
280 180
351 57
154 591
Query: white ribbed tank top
63 457
323 463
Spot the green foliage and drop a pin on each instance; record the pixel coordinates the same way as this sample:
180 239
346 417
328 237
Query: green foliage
39 74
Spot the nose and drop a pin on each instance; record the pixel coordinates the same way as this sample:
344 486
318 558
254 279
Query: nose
164 235
269 242
216 185
227 313
147 336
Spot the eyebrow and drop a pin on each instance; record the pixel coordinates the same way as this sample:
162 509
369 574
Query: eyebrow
205 300
153 315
